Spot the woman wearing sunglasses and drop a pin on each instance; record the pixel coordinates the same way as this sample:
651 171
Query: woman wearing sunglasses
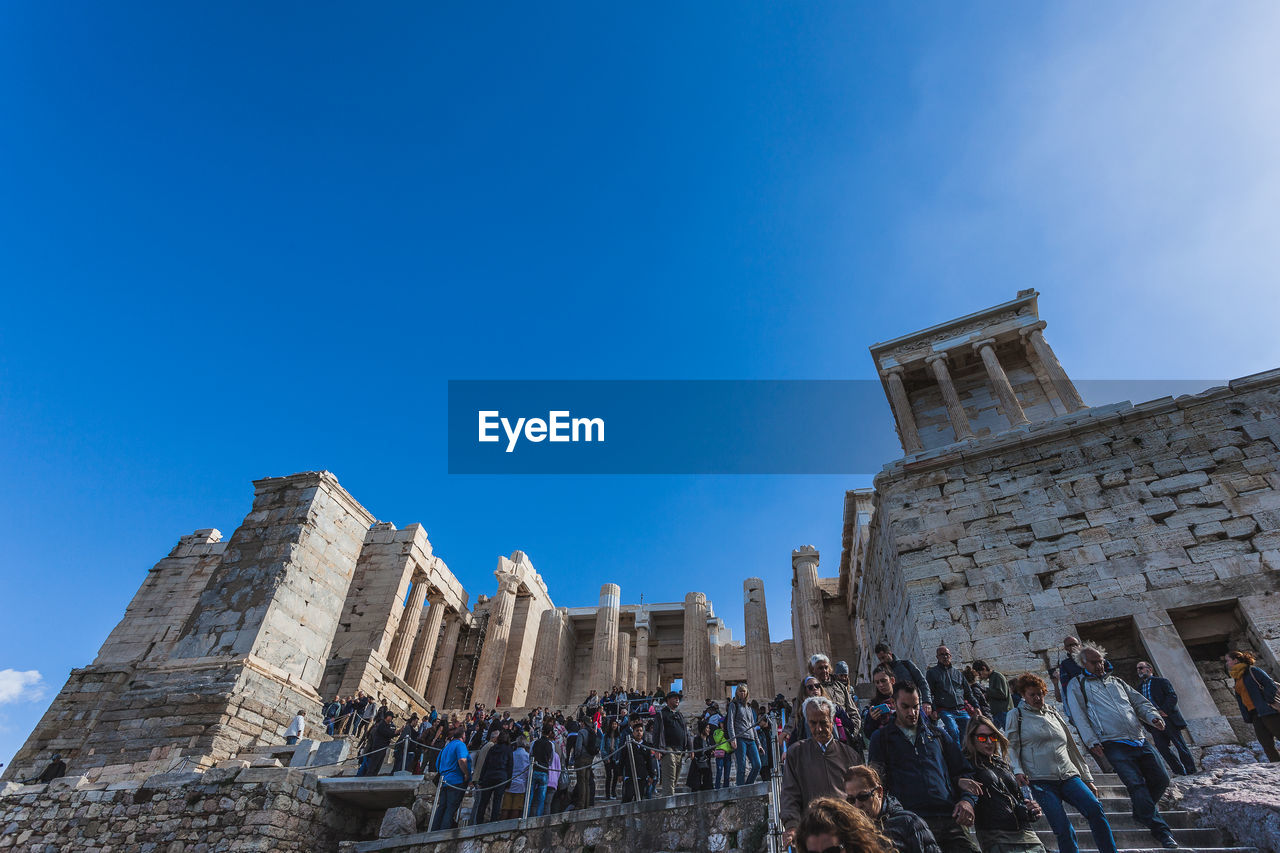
907 830
833 826
1003 816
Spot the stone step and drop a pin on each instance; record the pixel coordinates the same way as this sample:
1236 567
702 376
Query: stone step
1182 849
1177 819
1140 838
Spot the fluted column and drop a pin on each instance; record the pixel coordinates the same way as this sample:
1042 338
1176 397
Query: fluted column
955 411
633 669
1061 382
758 650
398 657
493 654
1000 381
624 659
546 661
902 410
808 602
442 666
697 647
604 652
424 645
641 677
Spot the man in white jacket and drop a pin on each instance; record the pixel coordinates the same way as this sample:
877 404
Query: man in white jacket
295 729
1109 715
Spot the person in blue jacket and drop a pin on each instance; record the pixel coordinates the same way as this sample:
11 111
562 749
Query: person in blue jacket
925 770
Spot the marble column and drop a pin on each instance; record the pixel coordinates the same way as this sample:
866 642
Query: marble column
633 672
604 652
955 411
642 658
402 645
1000 381
1061 382
902 413
1169 656
624 660
758 650
546 661
808 603
442 666
424 645
493 654
695 676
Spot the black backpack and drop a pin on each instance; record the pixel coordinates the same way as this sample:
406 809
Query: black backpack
593 741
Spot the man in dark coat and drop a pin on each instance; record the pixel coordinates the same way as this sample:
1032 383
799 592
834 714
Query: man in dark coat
380 738
926 771
904 670
1159 692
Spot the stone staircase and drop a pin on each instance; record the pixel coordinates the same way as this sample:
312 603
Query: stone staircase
1133 836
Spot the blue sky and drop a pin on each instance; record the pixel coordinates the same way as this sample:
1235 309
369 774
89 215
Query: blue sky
240 240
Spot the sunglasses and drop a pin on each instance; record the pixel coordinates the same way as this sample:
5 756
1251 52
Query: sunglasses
863 797
812 687
985 738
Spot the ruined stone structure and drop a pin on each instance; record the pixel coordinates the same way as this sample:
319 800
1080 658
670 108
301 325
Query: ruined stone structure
1018 516
312 598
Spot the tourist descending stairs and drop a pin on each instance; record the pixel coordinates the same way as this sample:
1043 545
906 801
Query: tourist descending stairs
1131 835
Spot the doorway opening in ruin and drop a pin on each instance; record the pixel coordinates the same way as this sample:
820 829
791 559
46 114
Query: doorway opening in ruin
1120 638
1209 631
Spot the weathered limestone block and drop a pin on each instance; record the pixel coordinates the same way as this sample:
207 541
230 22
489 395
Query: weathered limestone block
1242 800
398 820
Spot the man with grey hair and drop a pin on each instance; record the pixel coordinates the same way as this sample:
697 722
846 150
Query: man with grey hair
850 714
1109 715
815 766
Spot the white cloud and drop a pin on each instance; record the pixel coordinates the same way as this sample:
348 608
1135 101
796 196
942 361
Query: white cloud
25 686
1123 160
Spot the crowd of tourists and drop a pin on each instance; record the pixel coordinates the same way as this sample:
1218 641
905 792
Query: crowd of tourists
964 759
949 759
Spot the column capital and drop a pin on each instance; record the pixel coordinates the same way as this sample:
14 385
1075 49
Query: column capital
985 342
1037 326
896 370
804 554
935 357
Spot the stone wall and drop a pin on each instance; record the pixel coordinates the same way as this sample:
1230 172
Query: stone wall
1119 518
731 820
222 810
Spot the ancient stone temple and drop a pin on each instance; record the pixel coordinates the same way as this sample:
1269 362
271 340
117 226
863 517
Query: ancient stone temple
312 598
1019 515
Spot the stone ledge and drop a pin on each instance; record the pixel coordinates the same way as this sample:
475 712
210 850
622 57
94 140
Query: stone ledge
610 813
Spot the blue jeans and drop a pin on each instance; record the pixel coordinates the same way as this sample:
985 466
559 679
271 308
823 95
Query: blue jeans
447 812
955 722
722 772
1144 777
747 751
1051 796
537 793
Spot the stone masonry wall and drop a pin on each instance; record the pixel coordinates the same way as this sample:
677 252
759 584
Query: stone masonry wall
1006 544
223 811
